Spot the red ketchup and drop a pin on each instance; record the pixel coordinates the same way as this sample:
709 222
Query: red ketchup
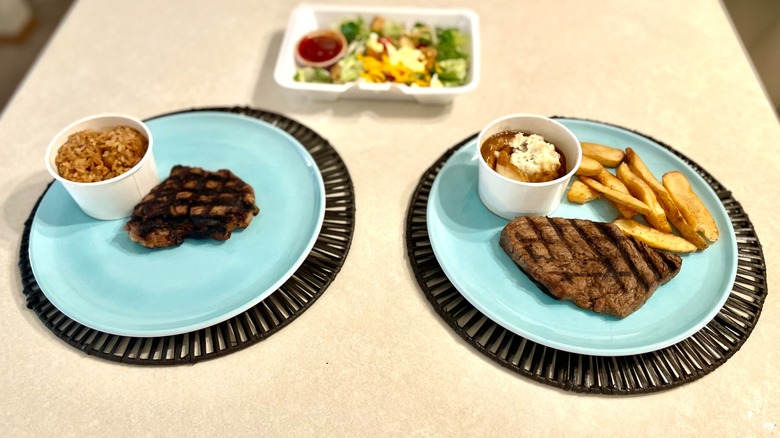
321 48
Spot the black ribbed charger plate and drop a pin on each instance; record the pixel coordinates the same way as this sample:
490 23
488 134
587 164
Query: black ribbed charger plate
659 370
296 295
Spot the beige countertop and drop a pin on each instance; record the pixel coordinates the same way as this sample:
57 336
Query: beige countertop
371 357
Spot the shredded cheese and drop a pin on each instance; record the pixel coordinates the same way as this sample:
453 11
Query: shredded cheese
378 71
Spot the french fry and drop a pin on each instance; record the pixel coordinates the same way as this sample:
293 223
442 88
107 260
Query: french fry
605 177
589 167
642 191
691 206
640 169
617 196
654 238
606 155
579 193
673 214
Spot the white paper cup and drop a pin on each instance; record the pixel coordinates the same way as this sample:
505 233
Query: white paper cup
509 198
113 198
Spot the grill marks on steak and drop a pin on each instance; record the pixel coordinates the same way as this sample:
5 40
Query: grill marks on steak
192 202
592 264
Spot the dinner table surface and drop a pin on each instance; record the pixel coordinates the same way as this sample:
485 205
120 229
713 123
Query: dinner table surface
372 357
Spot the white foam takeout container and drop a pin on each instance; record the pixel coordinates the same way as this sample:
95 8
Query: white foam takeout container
309 17
114 198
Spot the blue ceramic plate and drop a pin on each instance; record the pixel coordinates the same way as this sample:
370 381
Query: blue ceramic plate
464 236
92 272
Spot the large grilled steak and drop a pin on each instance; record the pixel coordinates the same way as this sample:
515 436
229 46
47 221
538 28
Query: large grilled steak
592 264
192 202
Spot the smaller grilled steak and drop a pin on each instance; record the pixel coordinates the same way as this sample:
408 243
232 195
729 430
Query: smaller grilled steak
592 264
192 202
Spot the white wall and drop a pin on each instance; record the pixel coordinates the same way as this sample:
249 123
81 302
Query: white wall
758 23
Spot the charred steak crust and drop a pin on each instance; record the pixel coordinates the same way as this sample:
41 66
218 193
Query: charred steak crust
592 264
192 202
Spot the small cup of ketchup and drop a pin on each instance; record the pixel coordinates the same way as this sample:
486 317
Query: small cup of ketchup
321 48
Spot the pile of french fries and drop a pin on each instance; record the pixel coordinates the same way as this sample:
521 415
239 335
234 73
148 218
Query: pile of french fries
665 205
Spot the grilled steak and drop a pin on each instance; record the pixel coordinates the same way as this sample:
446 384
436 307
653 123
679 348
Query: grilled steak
192 202
592 264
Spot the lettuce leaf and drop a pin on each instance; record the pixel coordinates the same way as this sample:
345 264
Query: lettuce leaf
354 29
312 74
451 44
452 72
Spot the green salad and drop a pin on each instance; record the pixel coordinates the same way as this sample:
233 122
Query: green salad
387 51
